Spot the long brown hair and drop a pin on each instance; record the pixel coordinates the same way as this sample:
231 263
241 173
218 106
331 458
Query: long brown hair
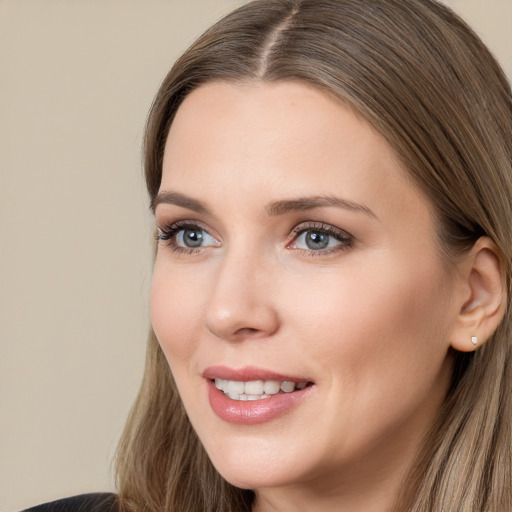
425 81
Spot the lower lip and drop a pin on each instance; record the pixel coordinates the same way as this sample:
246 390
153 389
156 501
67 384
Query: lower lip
251 412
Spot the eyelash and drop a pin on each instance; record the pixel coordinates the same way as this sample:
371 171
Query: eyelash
346 239
167 234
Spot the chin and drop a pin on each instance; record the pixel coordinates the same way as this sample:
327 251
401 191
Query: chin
262 466
255 477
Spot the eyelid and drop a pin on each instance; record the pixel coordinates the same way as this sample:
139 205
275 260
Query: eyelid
344 238
166 233
320 226
183 224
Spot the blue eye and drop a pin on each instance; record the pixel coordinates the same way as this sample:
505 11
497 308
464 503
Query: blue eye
320 239
193 237
316 240
182 236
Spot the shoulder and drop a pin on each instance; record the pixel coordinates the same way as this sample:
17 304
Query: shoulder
95 502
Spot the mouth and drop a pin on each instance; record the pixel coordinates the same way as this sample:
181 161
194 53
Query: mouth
252 395
257 389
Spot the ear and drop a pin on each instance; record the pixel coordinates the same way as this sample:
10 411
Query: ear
482 296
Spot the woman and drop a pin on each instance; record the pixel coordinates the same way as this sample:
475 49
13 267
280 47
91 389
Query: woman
331 182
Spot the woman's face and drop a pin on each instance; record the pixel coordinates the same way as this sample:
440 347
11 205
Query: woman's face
297 266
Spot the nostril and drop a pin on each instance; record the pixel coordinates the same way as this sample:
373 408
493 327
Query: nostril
247 331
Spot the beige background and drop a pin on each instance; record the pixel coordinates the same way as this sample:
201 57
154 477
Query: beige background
76 80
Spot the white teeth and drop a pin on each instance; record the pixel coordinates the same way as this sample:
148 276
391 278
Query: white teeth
255 397
271 387
287 386
256 389
235 387
221 384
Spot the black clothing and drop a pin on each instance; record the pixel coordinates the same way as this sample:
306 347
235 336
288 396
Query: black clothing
95 502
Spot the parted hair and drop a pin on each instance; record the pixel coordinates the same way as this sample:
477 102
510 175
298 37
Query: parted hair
420 76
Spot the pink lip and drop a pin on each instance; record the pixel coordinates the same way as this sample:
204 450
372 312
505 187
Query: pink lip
248 373
251 412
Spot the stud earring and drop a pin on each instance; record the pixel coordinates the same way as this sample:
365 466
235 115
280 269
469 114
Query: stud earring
474 340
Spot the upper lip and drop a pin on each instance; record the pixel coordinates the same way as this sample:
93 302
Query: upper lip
248 373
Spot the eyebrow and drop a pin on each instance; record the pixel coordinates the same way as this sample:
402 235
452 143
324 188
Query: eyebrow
301 204
273 209
179 200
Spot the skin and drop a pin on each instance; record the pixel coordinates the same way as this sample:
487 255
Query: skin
367 320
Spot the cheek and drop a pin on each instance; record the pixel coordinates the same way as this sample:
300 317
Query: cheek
175 310
384 317
374 336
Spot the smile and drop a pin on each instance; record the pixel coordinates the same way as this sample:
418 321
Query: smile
256 389
250 395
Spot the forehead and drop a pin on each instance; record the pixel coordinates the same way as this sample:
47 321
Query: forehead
268 107
275 139
219 117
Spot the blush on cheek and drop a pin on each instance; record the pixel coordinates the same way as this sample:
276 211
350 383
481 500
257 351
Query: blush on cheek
384 318
173 318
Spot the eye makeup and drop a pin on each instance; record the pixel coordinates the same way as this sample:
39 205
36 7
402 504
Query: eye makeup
308 238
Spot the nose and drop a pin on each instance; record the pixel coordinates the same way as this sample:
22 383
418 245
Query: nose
241 303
